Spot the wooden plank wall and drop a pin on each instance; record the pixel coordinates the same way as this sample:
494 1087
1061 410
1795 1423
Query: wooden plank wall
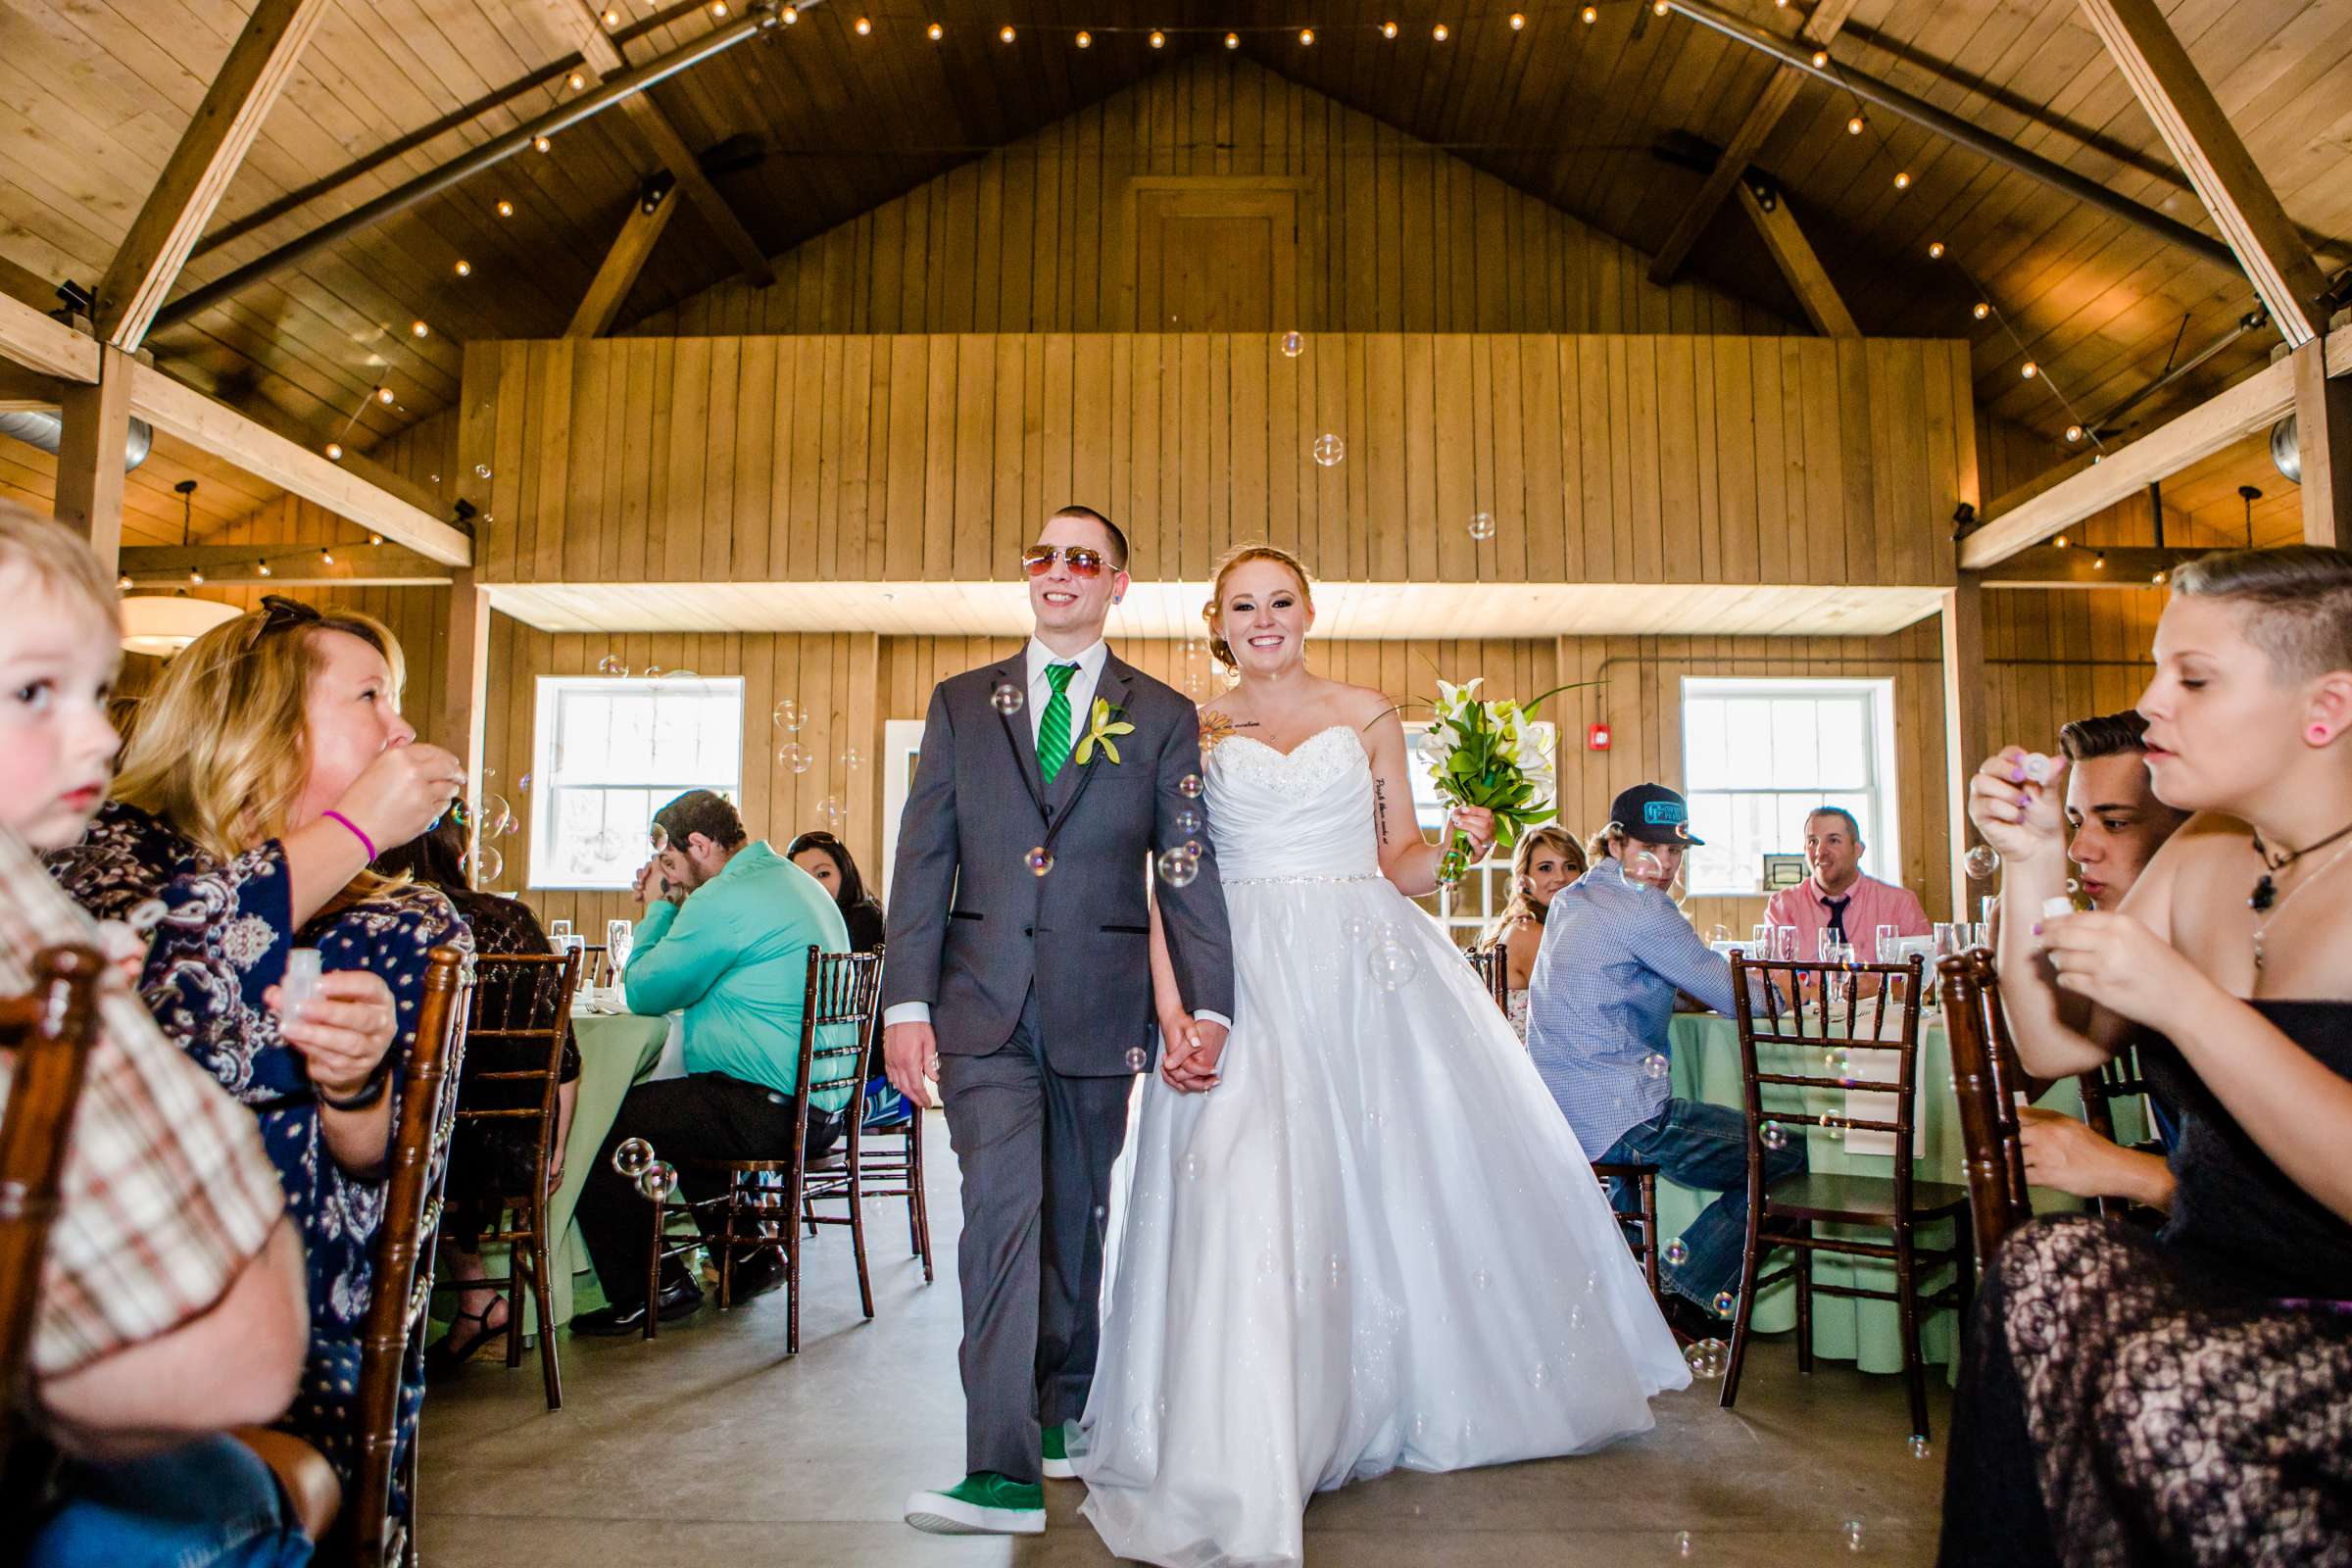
1038 236
1631 459
2062 654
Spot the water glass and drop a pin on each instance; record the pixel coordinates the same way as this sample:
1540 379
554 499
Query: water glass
1784 943
1759 942
619 935
1840 983
1949 938
1889 938
557 933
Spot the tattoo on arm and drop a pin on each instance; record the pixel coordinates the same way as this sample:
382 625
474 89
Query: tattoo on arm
1380 810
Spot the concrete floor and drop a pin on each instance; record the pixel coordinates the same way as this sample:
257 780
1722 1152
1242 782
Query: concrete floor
710 1446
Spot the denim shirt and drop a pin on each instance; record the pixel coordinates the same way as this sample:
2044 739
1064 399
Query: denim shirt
1602 995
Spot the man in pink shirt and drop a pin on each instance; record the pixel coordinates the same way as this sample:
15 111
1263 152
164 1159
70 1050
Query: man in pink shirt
1837 897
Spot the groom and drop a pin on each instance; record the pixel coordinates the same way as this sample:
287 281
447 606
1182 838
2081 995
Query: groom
1019 977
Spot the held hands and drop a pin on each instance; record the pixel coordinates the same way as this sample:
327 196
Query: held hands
910 1055
2019 817
342 1031
1189 1050
403 792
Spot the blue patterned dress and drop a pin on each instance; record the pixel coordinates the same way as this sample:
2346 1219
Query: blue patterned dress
221 943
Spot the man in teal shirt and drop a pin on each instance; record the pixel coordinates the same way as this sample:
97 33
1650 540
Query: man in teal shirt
725 939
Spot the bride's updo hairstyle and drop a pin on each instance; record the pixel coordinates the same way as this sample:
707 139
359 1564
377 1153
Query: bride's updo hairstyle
2294 603
1211 612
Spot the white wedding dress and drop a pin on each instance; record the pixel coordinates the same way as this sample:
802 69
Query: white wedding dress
1375 1243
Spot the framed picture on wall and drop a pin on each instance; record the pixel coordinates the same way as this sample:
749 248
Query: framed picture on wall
1783 872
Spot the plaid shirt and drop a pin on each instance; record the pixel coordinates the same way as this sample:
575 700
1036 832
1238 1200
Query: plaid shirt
167 1194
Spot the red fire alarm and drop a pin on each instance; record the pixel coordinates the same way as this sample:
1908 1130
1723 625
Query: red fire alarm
1596 739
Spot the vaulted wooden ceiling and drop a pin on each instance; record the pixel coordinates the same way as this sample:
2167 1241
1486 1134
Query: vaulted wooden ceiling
815 123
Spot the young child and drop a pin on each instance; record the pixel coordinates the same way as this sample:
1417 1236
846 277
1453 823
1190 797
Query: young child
171 1301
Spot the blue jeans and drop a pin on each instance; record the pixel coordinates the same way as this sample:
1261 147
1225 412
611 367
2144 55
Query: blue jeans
208 1504
1697 1145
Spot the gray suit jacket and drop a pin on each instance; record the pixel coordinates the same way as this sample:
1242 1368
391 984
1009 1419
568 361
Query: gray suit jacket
972 927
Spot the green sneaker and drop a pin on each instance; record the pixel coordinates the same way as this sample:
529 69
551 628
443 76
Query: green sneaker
983 1504
1062 1450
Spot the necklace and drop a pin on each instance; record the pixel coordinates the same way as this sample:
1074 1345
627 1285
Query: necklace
2265 891
2281 906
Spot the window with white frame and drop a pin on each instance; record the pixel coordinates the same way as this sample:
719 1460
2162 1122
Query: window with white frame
1467 908
1759 755
607 753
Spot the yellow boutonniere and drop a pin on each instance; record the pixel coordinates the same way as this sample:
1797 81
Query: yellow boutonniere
1098 732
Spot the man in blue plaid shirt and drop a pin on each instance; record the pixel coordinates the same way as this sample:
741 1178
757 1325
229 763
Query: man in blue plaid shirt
1615 953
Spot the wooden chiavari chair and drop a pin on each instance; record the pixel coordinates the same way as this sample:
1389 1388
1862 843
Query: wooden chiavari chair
1786 1213
47 1033
893 1170
392 1337
1492 966
1985 1078
2116 1079
521 1013
766 1198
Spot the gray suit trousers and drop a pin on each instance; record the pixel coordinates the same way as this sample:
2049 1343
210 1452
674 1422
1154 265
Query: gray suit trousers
1034 1149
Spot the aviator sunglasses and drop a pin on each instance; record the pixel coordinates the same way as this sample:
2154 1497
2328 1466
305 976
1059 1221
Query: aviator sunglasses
1037 560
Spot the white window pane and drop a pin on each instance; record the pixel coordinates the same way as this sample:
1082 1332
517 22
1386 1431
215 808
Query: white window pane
1844 744
1705 764
1795 753
611 752
1747 740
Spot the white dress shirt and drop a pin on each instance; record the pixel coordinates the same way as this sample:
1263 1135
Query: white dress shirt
1081 693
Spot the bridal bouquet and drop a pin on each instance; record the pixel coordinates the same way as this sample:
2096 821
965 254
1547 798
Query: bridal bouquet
1485 754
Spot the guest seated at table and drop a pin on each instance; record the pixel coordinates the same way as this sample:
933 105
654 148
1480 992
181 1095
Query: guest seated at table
2186 1397
487 1160
2114 824
1835 898
1615 951
169 1299
1546 861
267 762
725 937
826 858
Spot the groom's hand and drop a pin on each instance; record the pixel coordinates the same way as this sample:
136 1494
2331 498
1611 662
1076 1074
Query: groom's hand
910 1056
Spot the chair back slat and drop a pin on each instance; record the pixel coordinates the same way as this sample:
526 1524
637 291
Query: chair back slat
1492 966
839 1011
520 1006
391 1334
1767 1016
1985 1078
48 1033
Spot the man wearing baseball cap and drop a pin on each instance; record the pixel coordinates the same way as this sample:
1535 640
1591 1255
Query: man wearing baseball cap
1616 950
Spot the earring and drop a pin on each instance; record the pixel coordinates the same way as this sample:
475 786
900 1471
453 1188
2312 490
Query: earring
2316 734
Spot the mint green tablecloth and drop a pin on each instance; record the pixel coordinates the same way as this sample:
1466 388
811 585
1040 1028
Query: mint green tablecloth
1705 1059
616 1052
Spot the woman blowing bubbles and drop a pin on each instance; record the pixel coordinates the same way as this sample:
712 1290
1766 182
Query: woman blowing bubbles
2187 1397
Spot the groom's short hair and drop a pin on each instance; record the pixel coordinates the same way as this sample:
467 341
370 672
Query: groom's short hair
1118 540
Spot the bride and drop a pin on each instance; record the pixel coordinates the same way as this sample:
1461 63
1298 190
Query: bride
1361 1235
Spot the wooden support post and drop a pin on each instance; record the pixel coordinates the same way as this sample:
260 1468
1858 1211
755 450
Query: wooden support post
198 173
1799 265
1965 743
2267 245
1778 93
90 456
639 234
2324 433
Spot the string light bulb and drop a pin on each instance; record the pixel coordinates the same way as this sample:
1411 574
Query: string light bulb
2028 369
1590 15
262 567
719 8
1158 39
2061 541
1233 40
419 329
1936 250
936 32
195 578
1854 124
1821 59
1657 8
375 538
335 452
611 17
464 267
1902 179
1440 33
2161 578
864 26
1518 20
576 81
1306 37
124 582
542 145
2074 432
1387 30
1981 311
505 209
2098 563
384 395
1004 34
792 15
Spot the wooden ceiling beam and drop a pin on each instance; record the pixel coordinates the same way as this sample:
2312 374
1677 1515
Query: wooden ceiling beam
2324 441
639 234
601 57
2252 404
198 173
2270 249
1797 263
1762 117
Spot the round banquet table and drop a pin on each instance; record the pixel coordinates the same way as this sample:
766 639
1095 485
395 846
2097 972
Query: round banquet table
1705 1062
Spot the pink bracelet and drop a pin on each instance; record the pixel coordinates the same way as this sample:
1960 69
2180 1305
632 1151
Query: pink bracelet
365 842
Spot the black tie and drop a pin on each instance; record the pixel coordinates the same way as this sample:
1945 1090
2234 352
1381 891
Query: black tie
1836 908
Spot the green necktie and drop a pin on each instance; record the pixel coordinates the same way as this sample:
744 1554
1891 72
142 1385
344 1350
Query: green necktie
1053 730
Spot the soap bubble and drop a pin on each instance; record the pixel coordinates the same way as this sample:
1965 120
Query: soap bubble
1186 821
1919 1445
1540 1376
651 672
1008 699
1774 1135
789 715
1337 1268
1136 1058
850 759
1853 1535
683 675
1706 1359
1676 1253
1189 786
634 1159
1178 868
522 785
481 470
1482 525
1329 450
485 865
611 664
1482 1279
1394 965
660 1179
1293 345
1039 860
795 756
1724 1304
832 812
1682 1542
495 815
603 845
1655 1065
1192 847
1356 928
1981 861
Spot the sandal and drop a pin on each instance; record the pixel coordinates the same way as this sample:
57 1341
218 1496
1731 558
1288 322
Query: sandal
449 1352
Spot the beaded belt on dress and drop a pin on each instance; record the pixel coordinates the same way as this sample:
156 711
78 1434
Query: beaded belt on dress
1253 881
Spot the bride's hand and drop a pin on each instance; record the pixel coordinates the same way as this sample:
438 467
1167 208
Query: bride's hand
1208 1050
1175 1045
1479 823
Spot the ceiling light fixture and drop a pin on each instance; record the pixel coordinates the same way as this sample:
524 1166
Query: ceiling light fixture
1982 310
335 452
864 26
1306 37
1936 250
1518 20
384 395
576 80
464 267
2074 432
1902 179
1854 124
936 32
1821 59
542 145
2028 369
505 209
419 329
262 567
1440 33
1233 40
